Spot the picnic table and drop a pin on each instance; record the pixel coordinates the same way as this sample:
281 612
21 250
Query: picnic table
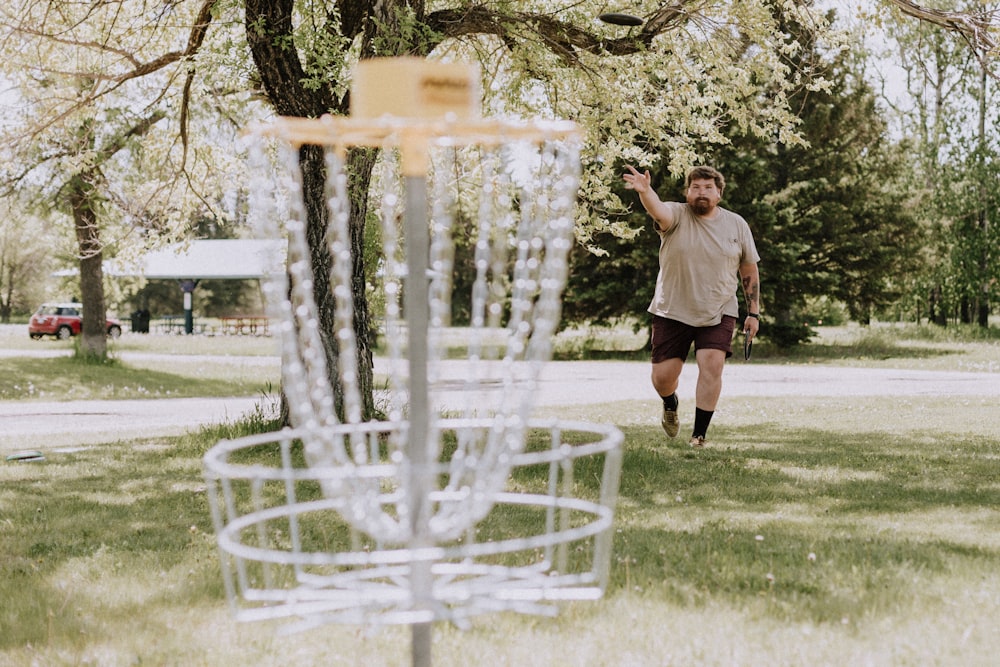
243 325
174 324
169 324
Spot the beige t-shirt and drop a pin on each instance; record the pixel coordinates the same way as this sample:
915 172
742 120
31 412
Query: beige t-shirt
699 266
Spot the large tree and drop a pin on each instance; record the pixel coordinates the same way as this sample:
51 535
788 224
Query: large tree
832 216
99 126
829 214
692 70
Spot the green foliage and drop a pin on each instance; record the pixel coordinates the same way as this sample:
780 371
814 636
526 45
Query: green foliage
264 418
402 33
617 281
828 218
787 333
327 53
27 254
970 200
952 145
825 311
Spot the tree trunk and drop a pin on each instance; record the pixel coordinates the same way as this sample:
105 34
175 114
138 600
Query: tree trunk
93 337
359 166
269 30
360 162
82 192
965 311
936 312
5 305
983 310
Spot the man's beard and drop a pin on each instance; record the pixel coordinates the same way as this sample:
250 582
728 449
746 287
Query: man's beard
701 206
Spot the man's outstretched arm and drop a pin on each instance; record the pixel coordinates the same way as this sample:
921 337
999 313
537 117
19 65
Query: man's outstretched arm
662 216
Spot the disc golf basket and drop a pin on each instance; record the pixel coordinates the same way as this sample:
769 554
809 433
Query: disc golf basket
460 502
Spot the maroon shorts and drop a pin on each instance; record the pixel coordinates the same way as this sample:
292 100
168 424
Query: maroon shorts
672 339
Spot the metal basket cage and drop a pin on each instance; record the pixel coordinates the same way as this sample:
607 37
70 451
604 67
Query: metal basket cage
289 553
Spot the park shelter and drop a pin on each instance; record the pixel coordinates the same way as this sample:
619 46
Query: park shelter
215 259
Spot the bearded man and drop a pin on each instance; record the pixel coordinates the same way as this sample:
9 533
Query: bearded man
706 252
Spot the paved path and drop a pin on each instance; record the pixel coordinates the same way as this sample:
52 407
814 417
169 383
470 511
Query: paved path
600 382
47 425
40 425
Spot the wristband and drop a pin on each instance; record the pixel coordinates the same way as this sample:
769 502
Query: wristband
756 316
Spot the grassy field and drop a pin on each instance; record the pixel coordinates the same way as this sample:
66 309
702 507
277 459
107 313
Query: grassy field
824 532
140 366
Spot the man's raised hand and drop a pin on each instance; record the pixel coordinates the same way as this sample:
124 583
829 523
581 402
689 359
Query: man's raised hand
636 181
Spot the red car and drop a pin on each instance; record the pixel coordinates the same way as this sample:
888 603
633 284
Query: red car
62 321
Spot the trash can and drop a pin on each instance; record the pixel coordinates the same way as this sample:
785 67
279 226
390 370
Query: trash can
140 321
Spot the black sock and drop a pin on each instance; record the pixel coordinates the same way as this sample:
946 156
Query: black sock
670 402
702 418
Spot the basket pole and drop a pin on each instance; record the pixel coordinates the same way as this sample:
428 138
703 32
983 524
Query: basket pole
417 312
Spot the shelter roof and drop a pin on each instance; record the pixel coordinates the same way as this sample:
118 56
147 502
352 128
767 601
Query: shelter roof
231 259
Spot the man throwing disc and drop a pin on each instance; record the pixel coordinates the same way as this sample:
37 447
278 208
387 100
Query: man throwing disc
705 252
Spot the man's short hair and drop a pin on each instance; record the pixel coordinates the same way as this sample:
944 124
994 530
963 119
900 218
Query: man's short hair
704 173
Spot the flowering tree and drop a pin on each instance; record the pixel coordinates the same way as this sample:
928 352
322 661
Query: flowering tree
114 86
100 123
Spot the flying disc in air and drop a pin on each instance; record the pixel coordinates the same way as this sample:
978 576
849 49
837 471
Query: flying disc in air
620 19
26 456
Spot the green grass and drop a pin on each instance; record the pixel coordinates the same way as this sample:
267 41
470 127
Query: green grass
66 379
243 365
796 539
198 344
926 347
138 366
814 531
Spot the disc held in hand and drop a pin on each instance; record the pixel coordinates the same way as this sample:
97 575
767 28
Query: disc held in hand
620 19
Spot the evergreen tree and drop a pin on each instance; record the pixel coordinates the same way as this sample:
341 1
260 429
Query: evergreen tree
827 213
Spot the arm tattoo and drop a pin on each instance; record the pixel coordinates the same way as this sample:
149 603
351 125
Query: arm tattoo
751 289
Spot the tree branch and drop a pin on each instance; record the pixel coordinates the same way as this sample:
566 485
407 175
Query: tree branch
976 26
561 37
195 40
270 35
141 128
